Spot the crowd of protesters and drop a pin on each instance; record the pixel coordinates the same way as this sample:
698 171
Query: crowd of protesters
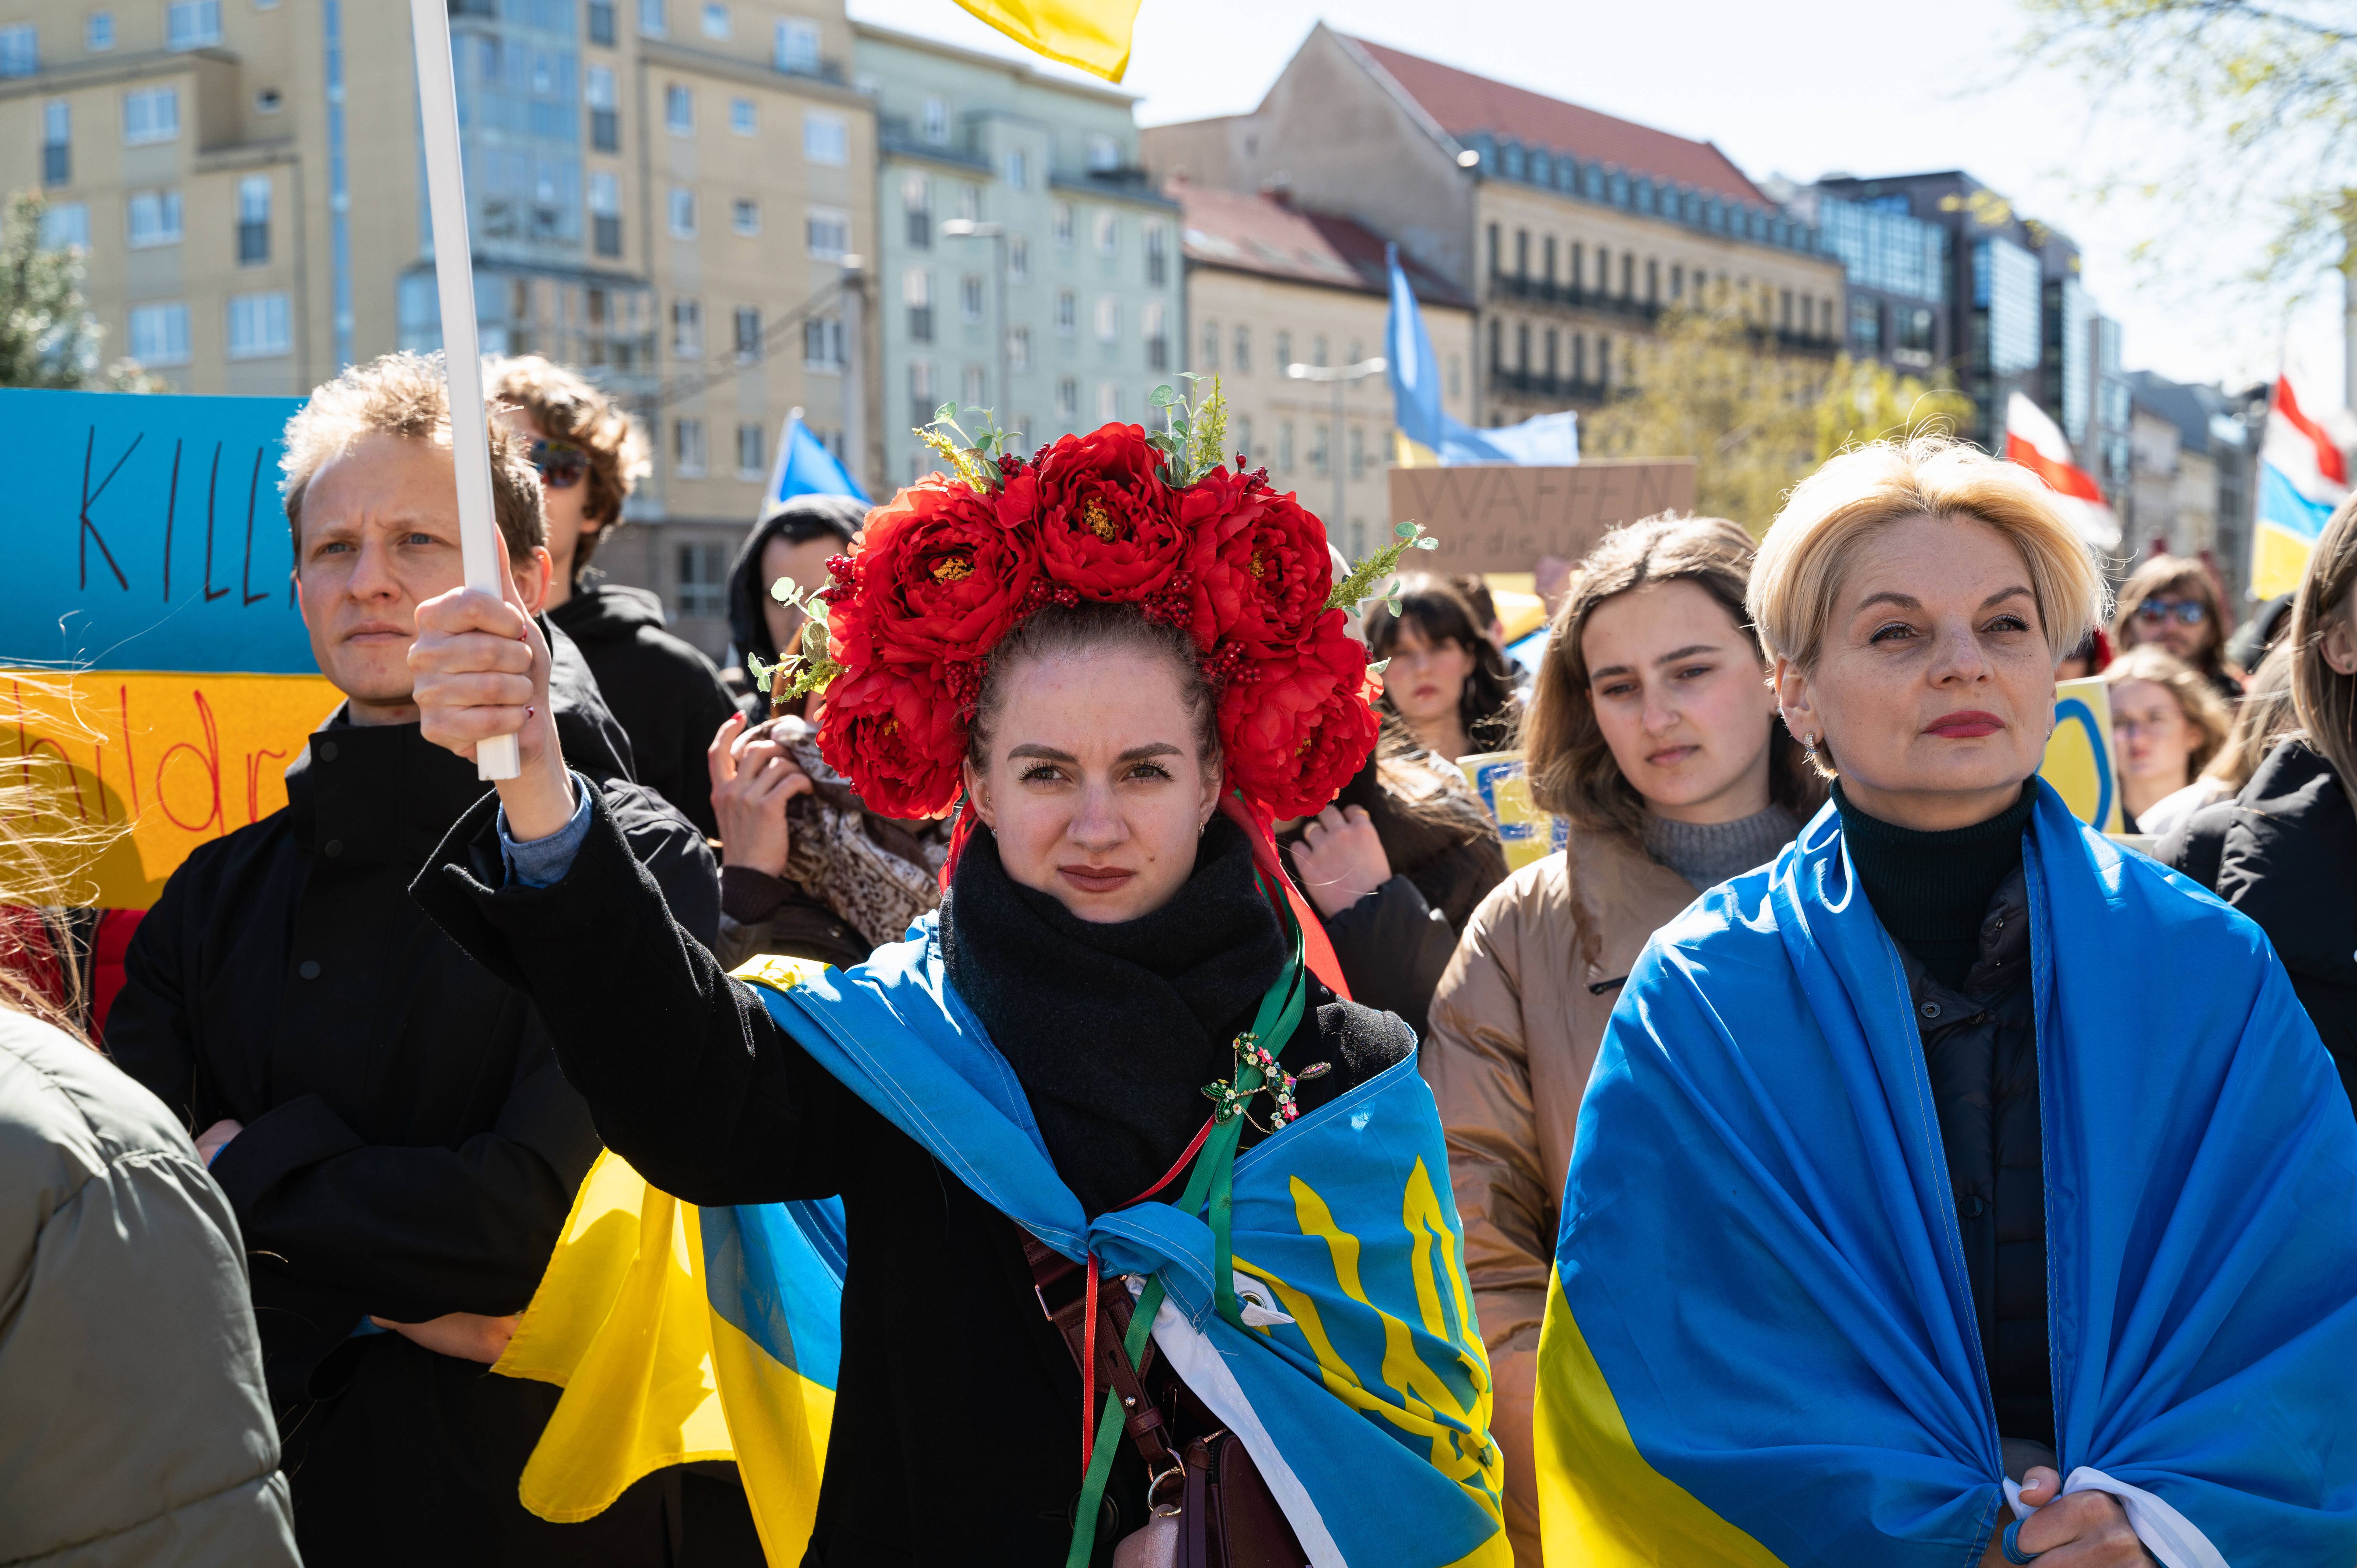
262 1262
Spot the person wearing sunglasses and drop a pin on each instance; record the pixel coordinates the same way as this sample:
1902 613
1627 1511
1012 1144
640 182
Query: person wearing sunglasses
664 692
2173 602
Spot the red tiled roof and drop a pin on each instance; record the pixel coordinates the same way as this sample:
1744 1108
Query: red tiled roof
1463 103
1260 234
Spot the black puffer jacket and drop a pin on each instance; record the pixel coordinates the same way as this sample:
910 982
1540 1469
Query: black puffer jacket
2283 852
666 695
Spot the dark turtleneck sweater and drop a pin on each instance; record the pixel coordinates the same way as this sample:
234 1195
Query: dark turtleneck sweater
1931 889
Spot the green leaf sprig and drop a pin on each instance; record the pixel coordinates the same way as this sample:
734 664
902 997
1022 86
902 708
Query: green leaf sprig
1367 579
973 458
809 669
1194 433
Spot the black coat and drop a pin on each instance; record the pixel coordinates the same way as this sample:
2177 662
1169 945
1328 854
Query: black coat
666 695
957 1416
410 1148
2283 852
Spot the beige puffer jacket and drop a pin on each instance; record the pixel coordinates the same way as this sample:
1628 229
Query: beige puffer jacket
1516 1024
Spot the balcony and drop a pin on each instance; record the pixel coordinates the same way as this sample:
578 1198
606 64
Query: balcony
1539 386
1569 297
1807 343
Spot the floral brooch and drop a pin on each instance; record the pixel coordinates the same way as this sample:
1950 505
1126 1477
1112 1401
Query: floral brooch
1257 1073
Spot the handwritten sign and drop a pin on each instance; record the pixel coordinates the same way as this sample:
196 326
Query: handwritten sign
145 533
1497 517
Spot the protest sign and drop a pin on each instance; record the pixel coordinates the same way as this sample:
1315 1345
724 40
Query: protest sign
2079 755
1528 833
1503 517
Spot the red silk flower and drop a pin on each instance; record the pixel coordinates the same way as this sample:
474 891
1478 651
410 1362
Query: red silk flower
1256 562
1108 526
1299 727
897 737
939 579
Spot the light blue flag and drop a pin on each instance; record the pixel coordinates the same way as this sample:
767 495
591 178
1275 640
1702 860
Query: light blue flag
1431 434
805 468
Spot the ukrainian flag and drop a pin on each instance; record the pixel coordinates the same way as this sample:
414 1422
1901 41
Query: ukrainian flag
2303 475
681 1333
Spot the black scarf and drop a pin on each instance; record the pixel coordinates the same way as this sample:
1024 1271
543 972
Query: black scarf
1114 1029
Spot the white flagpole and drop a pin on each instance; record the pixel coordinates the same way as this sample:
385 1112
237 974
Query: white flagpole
446 185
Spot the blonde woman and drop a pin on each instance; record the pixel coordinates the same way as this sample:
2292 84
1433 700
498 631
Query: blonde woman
2167 723
1904 1227
1654 731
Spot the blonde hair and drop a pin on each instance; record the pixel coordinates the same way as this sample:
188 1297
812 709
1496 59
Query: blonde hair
1815 539
2201 704
404 394
2327 699
569 409
2263 717
1570 765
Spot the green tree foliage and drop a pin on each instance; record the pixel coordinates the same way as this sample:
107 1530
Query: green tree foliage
1756 422
48 337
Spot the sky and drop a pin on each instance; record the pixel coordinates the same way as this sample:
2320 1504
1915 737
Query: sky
1803 89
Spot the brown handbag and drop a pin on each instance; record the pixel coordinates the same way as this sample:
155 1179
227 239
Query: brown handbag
1210 1506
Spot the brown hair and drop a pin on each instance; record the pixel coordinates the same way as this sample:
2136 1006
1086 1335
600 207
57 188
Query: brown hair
1571 768
569 409
404 394
2161 574
2196 698
2327 699
1060 630
1486 705
2263 717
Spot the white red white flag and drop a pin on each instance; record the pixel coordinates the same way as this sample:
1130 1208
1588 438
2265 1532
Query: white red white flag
2037 444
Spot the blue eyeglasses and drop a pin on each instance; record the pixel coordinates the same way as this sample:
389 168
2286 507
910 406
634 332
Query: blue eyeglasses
2186 612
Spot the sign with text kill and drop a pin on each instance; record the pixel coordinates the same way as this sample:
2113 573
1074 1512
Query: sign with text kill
154 676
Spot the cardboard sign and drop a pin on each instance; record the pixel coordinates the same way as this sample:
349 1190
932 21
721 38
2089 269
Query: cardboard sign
1499 516
145 533
1527 832
2079 755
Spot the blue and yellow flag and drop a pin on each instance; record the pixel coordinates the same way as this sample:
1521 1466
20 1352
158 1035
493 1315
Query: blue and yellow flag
1761 1345
1091 34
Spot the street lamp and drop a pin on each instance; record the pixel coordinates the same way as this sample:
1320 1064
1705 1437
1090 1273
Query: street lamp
1341 377
967 229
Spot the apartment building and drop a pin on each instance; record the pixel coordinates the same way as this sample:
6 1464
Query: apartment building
1269 286
1573 231
1025 265
670 195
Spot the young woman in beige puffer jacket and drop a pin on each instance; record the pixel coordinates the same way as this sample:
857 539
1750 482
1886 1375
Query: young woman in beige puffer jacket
1655 733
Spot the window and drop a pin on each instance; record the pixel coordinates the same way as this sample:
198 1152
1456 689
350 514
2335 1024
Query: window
601 23
683 213
1578 265
748 452
654 18
1318 457
1548 249
1523 348
937 120
702 570
1864 325
1068 315
1018 349
1628 275
795 45
1067 398
1522 253
1108 401
744 118
715 22
155 218
745 215
1157 257
1285 446
252 219
1912 331
917 201
1677 281
688 447
56 142
604 122
917 294
1154 324
920 391
1284 352
1104 153
191 24
1210 357
98 32
827 232
1243 441
1019 168
970 202
1108 319
257 326
970 297
1358 453
747 320
1108 234
974 391
268 102
20 50
159 334
1059 223
1018 259
151 114
1652 281
679 109
1784 310
822 343
1241 363
605 213
688 328
1579 356
1318 350
826 138
65 225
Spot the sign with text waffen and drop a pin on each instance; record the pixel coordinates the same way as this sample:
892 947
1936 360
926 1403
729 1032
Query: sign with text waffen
1499 516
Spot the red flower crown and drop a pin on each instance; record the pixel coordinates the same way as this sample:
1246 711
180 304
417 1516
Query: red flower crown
953 562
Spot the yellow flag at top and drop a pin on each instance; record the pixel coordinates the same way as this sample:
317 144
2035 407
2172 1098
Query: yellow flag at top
1091 34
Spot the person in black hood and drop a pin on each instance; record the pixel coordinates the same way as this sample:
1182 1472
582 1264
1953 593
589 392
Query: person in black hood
794 539
666 694
388 1121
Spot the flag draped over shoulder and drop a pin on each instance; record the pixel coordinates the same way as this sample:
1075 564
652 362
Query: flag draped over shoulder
681 1333
1760 1347
1364 1397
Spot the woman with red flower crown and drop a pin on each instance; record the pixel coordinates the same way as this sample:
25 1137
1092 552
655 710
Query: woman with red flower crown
1116 662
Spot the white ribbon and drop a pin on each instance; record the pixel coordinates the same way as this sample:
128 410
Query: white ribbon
2165 1533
